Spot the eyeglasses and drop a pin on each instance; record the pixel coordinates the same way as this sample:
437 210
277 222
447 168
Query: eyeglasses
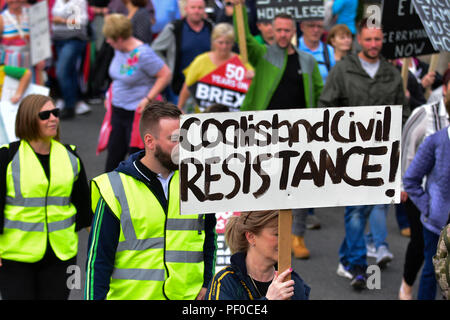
228 3
44 115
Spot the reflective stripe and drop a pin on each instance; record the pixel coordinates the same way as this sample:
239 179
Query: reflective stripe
38 202
185 224
119 192
19 200
139 274
74 162
141 244
61 225
184 256
39 226
24 226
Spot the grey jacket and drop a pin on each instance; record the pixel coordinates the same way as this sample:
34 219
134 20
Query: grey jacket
348 84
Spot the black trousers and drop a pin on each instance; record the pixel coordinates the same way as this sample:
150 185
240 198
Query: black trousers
42 280
119 138
414 252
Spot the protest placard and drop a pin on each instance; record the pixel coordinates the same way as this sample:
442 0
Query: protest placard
284 159
300 10
8 110
39 32
435 16
404 34
226 85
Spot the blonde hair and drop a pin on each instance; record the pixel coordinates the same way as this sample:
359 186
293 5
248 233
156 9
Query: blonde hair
27 119
252 221
117 26
222 30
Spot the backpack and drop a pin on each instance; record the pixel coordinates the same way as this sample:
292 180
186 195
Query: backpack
441 262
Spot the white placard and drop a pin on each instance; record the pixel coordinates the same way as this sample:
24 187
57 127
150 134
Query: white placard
39 32
285 159
8 110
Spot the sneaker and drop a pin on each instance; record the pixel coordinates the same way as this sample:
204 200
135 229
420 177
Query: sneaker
371 250
344 271
82 108
59 104
359 279
384 256
67 114
312 222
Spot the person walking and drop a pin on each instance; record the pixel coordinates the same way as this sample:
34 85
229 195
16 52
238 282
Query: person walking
138 75
141 247
364 79
44 201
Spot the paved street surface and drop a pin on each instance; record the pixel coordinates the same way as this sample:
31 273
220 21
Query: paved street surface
319 271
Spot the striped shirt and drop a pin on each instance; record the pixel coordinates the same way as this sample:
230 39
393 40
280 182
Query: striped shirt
423 121
15 41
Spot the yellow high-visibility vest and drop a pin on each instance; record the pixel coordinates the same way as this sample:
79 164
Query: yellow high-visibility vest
160 254
38 208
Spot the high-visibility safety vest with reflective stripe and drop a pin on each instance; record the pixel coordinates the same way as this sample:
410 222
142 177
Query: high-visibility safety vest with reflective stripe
160 254
37 208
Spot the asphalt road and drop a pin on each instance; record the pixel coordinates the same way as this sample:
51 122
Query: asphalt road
319 271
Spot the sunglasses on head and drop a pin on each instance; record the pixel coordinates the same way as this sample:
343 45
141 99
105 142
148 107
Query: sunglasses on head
44 115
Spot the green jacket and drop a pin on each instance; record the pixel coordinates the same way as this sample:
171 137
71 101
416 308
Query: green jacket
348 84
269 63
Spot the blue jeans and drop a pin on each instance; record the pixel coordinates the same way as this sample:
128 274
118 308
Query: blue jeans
353 248
427 285
69 52
377 224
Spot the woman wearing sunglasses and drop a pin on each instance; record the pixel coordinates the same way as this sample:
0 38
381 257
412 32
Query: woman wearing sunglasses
44 201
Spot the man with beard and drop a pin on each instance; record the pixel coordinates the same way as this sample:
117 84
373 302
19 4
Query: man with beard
364 79
140 246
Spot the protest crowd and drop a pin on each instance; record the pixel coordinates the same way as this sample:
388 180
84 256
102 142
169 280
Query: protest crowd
150 62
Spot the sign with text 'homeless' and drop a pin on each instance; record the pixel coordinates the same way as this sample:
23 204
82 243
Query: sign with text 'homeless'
435 16
404 34
299 10
226 85
283 159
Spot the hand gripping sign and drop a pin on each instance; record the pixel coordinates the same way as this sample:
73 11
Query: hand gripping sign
226 85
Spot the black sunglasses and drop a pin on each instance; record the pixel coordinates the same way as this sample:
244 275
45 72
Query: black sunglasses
44 115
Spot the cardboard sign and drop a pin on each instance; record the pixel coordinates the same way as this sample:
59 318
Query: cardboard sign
404 34
284 159
226 85
435 16
300 10
39 32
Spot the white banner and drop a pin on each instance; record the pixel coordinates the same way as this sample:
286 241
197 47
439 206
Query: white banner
39 32
285 159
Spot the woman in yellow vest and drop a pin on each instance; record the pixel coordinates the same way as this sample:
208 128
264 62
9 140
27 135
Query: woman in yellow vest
44 200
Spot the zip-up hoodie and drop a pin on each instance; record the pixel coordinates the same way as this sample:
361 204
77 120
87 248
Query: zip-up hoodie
233 283
104 236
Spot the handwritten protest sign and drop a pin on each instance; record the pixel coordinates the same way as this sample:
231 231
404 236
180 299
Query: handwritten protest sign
435 16
226 85
404 34
39 32
300 10
283 159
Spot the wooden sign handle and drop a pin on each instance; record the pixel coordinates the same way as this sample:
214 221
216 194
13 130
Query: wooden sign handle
284 240
433 64
405 68
241 33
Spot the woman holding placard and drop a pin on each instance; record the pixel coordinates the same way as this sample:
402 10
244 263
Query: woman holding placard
253 239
